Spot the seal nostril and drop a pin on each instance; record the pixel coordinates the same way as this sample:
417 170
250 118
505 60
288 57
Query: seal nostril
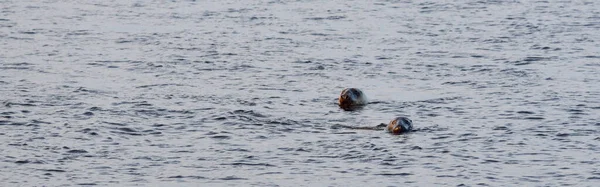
397 130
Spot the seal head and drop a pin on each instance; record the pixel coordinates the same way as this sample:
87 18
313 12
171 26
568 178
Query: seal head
400 125
352 98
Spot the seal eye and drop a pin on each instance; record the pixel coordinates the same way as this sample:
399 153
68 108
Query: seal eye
344 97
343 100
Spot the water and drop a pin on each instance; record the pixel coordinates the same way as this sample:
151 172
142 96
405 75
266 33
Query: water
188 93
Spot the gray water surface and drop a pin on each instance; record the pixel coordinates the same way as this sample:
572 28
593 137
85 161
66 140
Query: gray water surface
241 93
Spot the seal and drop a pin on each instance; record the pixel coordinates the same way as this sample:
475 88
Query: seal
400 125
352 98
397 126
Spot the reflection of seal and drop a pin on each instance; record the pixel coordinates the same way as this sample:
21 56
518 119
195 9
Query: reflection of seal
352 98
400 125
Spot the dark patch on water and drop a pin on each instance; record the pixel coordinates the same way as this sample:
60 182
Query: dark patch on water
54 170
187 177
534 118
232 178
250 164
77 151
116 124
525 112
87 184
30 161
222 137
394 174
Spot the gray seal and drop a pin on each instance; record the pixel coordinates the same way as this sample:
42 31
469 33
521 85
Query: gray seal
352 98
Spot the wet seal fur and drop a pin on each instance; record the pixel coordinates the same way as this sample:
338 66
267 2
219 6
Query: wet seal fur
400 125
352 99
